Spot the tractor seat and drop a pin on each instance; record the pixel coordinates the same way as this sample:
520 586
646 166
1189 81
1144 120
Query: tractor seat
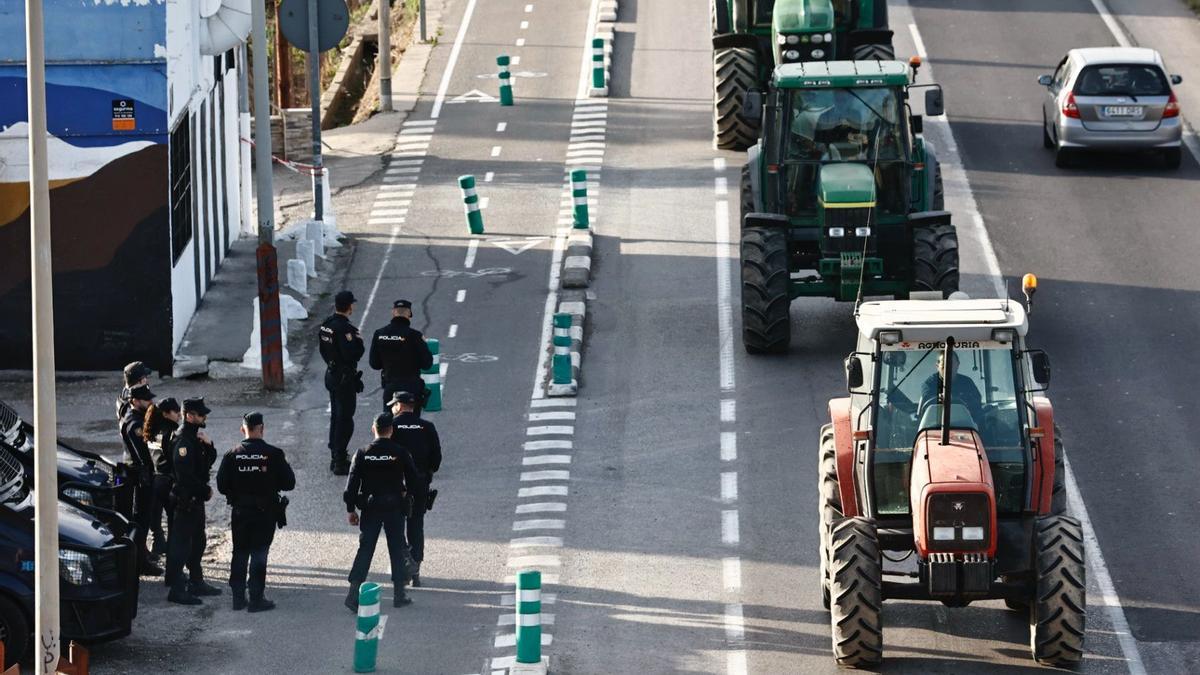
960 418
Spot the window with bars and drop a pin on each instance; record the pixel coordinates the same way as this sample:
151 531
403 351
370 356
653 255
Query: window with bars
181 188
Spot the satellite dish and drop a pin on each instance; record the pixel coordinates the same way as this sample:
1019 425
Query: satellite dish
223 24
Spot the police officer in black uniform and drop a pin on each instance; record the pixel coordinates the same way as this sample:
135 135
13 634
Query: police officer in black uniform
420 438
400 353
251 477
141 472
193 458
341 347
136 373
380 477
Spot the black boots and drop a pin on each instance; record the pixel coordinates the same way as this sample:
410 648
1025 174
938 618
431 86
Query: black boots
202 588
260 604
180 596
339 464
401 600
352 598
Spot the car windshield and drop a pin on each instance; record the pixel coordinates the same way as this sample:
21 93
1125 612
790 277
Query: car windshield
984 385
1121 80
844 124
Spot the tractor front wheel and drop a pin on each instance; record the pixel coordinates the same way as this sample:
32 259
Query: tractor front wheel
876 51
1058 610
766 321
935 259
735 71
856 585
831 505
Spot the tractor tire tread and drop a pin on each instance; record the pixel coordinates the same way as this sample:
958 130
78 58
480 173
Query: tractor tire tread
831 505
877 51
1058 613
857 593
935 259
735 71
746 195
766 321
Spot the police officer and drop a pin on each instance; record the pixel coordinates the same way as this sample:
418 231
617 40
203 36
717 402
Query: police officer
400 353
136 373
380 476
341 347
141 468
193 458
420 438
251 477
162 422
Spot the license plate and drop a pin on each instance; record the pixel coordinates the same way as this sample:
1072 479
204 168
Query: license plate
1123 111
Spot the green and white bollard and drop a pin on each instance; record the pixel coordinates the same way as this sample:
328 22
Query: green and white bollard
562 349
471 203
432 377
369 630
506 94
529 617
598 64
579 195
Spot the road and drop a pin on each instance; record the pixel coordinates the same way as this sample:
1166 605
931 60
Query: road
673 505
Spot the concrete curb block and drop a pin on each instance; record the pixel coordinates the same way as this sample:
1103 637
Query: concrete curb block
575 304
577 265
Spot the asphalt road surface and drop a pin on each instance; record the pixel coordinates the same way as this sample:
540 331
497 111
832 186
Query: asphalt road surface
673 506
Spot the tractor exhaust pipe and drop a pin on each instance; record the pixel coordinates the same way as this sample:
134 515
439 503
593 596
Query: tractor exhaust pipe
947 381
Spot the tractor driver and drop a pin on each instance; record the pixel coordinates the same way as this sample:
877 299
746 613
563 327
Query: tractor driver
963 391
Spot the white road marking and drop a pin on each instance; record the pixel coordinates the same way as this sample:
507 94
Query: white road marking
553 403
524 25
401 169
539 524
520 42
542 507
721 185
542 491
484 201
724 296
551 306
510 619
535 460
586 61
731 572
510 599
454 51
550 431
528 8
1110 599
552 415
501 126
487 177
461 295
729 527
551 474
728 446
735 623
472 249
453 332
495 151
516 60
729 486
728 410
534 542
735 663
548 445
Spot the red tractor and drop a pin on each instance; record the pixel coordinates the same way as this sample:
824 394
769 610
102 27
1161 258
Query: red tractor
944 450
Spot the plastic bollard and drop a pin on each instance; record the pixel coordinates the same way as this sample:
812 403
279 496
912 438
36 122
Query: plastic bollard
506 93
579 198
562 349
598 64
369 629
432 377
471 204
529 616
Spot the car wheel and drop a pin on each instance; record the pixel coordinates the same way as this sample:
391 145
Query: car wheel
1047 142
1172 157
1064 158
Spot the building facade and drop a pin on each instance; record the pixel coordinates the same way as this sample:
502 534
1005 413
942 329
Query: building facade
144 170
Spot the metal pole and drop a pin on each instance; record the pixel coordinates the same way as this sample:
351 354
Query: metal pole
421 17
283 64
45 418
268 265
385 55
244 133
314 93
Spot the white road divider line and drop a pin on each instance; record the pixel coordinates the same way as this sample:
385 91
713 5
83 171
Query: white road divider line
550 431
735 623
510 599
453 332
542 507
731 573
1100 574
550 474
510 619
461 295
542 491
728 410
552 415
440 99
548 445
495 151
729 486
472 249
535 460
730 535
539 524
534 542
728 446
553 403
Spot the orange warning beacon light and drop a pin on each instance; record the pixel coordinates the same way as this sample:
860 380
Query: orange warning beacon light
1029 287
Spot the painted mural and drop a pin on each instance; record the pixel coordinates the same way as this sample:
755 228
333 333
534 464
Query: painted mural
106 113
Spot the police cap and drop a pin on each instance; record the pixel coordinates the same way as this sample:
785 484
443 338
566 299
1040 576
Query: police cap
195 406
135 371
343 300
405 397
402 304
252 419
141 393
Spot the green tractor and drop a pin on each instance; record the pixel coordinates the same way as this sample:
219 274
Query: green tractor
751 37
841 197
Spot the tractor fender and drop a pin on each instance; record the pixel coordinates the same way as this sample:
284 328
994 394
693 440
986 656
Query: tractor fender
731 40
931 172
1043 486
843 442
753 158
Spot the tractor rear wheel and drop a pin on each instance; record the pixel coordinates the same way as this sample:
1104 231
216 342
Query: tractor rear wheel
1058 610
878 51
935 259
831 504
735 71
766 321
857 590
746 194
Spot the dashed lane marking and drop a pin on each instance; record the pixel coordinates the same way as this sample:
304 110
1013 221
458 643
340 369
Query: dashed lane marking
553 403
539 524
453 332
536 460
527 542
542 491
548 445
552 415
461 295
550 474
472 249
542 507
550 431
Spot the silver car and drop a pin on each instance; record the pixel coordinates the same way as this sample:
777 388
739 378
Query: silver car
1111 98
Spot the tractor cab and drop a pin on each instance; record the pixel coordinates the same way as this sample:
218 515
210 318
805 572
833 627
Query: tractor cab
945 455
